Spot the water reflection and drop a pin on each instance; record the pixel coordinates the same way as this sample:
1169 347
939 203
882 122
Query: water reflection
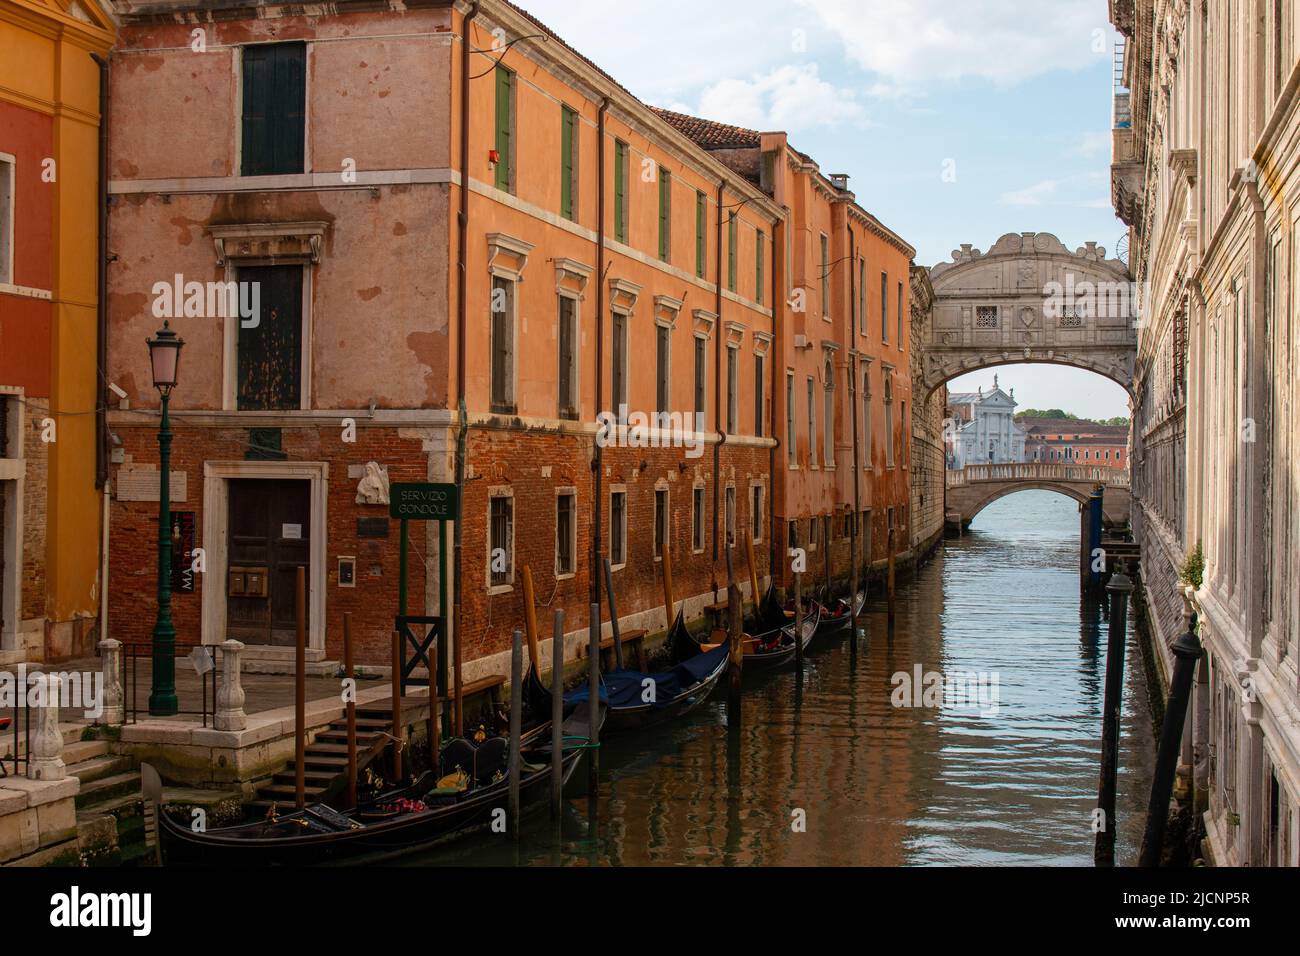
877 784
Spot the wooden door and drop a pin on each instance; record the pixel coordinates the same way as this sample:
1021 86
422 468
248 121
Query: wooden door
269 539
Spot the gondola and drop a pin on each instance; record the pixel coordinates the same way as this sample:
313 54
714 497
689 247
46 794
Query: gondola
400 822
837 616
678 689
769 637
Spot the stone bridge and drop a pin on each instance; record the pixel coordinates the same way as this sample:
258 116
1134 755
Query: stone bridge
973 488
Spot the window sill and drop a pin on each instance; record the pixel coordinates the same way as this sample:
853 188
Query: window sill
496 589
566 577
617 567
496 409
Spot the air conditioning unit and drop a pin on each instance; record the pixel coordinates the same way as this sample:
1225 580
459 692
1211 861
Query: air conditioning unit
801 341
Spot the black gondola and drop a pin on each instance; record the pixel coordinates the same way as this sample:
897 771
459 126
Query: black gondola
837 616
679 688
319 835
770 647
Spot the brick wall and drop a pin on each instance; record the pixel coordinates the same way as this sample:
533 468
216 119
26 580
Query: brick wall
35 497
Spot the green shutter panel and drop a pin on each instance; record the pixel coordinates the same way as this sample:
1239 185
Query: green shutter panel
758 269
731 253
254 131
665 213
288 130
566 162
620 163
503 131
700 226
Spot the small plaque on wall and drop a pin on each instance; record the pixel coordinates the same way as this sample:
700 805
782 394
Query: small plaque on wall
372 527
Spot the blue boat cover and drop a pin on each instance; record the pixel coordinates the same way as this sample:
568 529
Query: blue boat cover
624 688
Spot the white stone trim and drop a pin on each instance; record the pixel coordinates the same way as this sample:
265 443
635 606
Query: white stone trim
216 478
16 468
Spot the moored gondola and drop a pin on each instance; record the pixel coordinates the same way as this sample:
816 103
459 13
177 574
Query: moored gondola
394 824
768 648
635 699
837 616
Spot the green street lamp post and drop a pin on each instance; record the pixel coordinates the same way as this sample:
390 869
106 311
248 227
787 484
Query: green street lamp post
164 359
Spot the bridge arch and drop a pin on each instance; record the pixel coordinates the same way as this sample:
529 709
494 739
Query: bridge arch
1029 299
972 489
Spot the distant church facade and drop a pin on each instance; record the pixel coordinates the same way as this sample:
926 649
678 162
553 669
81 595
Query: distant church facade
983 429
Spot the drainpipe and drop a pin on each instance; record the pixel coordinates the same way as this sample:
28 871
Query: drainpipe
855 471
717 390
101 280
777 303
598 464
462 270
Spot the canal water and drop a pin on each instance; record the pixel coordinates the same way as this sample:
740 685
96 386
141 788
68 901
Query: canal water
825 770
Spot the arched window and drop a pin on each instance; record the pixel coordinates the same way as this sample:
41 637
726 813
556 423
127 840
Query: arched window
889 420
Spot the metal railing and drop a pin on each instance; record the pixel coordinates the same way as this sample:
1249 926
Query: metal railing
131 655
16 733
1037 471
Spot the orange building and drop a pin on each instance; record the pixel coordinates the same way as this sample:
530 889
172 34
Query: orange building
843 341
1075 441
52 461
541 289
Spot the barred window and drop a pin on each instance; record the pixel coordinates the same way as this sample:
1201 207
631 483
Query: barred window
986 317
501 540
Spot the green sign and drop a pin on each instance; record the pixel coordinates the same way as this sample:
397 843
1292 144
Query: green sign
423 502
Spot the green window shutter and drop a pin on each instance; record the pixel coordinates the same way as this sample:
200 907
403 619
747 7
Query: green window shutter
701 212
274 105
665 214
620 191
568 130
504 131
758 269
731 252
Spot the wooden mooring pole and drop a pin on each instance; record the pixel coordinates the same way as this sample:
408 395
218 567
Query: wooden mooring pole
1119 588
889 578
397 707
613 615
349 673
735 640
593 687
557 712
798 618
300 692
516 724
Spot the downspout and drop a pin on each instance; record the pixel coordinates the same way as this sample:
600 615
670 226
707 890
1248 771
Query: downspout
856 470
777 303
462 272
101 344
717 390
598 465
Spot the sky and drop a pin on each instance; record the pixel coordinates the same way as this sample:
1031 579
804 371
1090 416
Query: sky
955 121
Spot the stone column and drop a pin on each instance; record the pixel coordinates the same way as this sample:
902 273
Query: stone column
114 710
45 753
230 693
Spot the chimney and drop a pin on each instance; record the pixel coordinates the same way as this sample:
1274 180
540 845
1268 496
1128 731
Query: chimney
841 181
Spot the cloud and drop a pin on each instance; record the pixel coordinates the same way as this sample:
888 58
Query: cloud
792 98
1047 193
911 43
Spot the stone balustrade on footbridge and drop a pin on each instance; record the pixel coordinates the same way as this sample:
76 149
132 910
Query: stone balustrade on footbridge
972 489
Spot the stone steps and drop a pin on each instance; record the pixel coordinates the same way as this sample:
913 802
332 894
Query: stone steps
97 768
114 785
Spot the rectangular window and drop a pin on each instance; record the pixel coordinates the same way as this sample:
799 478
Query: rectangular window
866 536
568 335
889 428
566 532
701 240
826 277
792 535
884 308
862 295
661 521
900 316
501 539
828 420
812 534
697 518
665 215
663 356
812 422
731 252
760 406
269 355
7 218
866 419
732 376
758 268
617 528
791 452
273 126
620 190
505 129
569 163
701 379
756 514
618 363
731 516
502 389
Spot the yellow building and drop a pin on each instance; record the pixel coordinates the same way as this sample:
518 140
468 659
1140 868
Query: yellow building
51 456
